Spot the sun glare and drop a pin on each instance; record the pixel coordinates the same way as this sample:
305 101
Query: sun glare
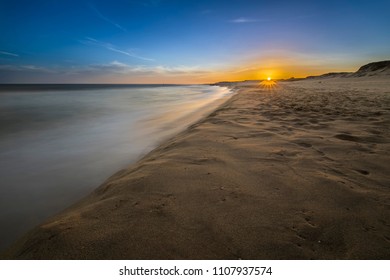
268 84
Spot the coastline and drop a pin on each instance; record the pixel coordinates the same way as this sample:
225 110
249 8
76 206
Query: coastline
57 146
265 176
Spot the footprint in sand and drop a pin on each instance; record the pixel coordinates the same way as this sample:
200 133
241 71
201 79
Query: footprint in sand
364 172
304 144
347 137
307 217
309 221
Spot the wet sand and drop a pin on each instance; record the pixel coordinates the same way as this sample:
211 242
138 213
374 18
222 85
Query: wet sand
299 170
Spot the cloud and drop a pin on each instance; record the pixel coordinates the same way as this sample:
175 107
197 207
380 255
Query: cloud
123 68
111 47
25 68
8 53
177 70
114 67
100 15
243 70
111 72
251 20
244 20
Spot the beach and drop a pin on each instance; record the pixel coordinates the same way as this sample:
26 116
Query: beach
296 170
59 142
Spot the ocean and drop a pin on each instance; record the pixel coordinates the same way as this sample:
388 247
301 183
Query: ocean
59 142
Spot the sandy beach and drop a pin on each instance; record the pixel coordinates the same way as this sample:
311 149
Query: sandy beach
297 170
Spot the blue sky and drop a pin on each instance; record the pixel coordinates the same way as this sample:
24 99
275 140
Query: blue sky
163 41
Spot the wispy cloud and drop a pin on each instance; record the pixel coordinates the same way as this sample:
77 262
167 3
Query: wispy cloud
244 20
114 67
114 71
123 68
252 20
243 70
101 16
8 53
110 72
28 68
111 47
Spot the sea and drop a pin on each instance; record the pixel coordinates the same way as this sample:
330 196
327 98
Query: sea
60 142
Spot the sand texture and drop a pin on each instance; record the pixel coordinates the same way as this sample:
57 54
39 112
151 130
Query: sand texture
300 170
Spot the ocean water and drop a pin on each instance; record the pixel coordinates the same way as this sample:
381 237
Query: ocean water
58 143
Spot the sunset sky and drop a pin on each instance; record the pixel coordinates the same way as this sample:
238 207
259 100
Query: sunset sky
157 41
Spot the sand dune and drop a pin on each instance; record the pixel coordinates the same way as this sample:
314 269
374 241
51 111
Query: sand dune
373 69
296 171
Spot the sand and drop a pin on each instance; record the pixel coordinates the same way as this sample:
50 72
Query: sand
300 170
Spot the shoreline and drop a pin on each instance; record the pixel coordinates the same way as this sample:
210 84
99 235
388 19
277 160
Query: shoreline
43 145
264 176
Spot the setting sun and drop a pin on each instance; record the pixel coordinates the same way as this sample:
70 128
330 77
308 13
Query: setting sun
268 84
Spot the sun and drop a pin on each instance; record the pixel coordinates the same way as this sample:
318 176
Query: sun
268 84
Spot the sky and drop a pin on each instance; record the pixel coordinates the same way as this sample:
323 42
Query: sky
169 41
